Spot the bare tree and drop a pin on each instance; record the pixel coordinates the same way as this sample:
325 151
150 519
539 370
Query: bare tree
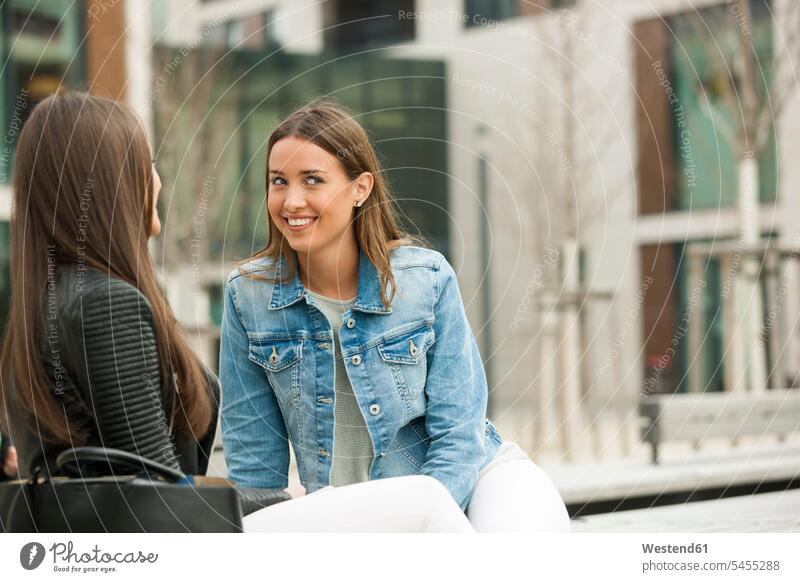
194 102
569 142
742 88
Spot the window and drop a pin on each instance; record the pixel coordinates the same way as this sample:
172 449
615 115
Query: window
234 33
701 69
359 24
248 32
40 41
687 159
486 12
480 12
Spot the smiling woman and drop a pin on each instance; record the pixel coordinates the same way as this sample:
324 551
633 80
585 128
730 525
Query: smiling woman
369 383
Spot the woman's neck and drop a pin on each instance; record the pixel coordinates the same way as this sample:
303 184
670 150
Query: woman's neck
332 272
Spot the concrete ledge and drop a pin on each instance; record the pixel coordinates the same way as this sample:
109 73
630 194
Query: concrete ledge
766 512
618 480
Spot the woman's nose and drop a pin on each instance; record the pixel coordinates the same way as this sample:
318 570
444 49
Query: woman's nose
294 199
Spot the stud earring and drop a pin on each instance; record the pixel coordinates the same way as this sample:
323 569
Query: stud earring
359 203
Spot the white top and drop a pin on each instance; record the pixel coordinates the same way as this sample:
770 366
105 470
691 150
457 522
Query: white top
352 446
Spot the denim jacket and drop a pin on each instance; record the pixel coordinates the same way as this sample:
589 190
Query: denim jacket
415 370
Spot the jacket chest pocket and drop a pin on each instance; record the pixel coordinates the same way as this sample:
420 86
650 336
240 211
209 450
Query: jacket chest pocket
281 360
406 355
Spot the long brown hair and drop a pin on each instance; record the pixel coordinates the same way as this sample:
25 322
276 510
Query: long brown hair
83 193
328 125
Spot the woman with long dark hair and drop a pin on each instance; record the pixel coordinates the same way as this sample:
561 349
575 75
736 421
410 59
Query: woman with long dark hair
90 333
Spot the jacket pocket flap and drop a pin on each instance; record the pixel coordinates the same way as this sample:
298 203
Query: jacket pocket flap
408 348
275 355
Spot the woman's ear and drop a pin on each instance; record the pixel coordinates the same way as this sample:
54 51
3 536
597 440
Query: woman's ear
363 188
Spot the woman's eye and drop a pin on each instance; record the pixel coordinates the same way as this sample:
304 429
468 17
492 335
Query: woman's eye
278 181
313 180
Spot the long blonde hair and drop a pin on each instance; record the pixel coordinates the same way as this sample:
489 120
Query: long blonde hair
328 125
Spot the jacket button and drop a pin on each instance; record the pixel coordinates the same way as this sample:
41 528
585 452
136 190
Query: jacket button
324 453
351 323
374 409
324 346
356 360
382 455
273 358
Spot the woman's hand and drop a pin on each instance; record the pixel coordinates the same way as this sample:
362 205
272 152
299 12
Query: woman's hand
10 464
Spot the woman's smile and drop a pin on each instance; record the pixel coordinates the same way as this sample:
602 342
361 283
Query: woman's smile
296 224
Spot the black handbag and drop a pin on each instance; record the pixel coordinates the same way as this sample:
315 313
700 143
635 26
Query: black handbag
108 490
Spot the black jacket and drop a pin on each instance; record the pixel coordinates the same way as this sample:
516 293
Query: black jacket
99 351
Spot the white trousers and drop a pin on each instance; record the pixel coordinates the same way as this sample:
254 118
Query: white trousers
512 495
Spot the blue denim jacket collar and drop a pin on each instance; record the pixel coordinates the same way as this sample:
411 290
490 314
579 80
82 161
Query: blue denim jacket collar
368 298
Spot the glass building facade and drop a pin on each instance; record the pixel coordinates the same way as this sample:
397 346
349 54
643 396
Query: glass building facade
41 46
688 155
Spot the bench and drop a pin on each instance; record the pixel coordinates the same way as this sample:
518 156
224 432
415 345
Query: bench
698 416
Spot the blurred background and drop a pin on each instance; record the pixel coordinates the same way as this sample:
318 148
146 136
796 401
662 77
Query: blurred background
612 180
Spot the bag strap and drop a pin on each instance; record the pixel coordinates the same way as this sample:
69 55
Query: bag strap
74 462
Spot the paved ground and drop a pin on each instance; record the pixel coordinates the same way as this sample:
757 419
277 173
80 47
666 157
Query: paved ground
605 480
765 512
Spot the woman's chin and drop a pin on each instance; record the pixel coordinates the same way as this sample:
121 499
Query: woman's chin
303 239
296 243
